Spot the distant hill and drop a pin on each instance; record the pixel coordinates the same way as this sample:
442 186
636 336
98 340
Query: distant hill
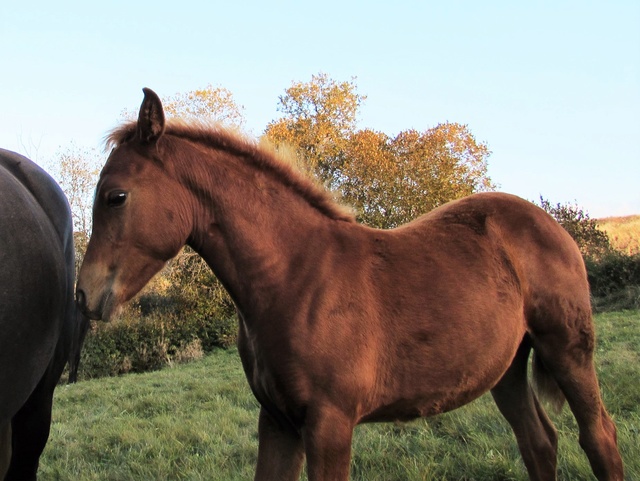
623 232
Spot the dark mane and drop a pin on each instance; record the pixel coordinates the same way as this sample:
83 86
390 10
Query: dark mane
261 156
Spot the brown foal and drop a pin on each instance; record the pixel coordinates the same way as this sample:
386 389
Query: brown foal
340 323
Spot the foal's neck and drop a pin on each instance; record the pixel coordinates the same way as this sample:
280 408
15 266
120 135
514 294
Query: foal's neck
256 233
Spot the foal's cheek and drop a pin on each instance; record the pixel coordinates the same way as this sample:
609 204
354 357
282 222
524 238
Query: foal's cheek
133 275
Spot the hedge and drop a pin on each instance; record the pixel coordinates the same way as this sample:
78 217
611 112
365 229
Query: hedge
139 342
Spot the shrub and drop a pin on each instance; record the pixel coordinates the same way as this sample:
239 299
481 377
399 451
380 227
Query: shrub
183 313
625 299
139 343
614 276
592 241
613 272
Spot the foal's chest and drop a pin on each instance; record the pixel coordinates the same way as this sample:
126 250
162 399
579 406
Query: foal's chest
273 381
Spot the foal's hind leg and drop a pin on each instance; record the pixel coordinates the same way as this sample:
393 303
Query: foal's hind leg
571 365
536 436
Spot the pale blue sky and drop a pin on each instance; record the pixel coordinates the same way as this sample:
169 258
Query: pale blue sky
552 87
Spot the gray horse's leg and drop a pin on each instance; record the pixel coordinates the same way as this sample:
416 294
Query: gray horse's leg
5 449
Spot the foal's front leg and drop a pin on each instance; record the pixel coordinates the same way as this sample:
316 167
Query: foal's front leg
280 451
327 438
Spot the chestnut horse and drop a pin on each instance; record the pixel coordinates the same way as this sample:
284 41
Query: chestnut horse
340 323
38 317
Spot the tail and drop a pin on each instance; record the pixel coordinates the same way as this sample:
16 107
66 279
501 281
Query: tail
81 326
546 386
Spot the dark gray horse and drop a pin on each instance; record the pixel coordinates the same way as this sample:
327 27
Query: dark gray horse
38 320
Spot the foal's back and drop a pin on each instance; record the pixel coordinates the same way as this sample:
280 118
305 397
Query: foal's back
450 297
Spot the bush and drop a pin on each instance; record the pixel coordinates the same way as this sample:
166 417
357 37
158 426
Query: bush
139 343
614 276
184 313
592 241
613 272
626 299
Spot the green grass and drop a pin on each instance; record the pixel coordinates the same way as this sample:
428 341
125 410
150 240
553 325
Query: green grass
199 422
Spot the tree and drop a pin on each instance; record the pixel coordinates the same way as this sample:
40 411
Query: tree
76 170
319 117
207 104
394 180
370 177
388 180
593 242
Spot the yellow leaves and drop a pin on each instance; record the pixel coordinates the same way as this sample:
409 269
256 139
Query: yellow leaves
213 104
388 180
396 179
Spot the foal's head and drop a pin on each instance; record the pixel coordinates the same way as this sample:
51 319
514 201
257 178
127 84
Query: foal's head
150 196
139 216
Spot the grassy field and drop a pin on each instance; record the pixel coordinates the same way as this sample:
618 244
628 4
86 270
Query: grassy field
623 232
199 422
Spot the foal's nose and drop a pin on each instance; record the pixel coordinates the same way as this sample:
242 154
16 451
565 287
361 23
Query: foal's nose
81 300
82 303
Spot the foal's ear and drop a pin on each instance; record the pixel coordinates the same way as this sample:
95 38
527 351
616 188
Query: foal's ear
151 117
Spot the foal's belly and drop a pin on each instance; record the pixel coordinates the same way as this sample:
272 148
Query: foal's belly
440 383
407 409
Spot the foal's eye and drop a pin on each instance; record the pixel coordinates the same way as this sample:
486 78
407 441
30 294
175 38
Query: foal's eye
116 198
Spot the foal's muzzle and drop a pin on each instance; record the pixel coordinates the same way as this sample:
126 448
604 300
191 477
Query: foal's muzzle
81 301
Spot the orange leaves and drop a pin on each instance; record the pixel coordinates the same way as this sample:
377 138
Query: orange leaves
389 180
214 104
393 180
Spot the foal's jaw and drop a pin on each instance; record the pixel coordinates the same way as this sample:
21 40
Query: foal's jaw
102 289
95 293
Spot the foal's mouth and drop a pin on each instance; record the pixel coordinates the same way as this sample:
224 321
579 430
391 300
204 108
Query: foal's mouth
105 310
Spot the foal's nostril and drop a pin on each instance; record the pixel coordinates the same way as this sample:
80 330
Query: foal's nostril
81 299
82 304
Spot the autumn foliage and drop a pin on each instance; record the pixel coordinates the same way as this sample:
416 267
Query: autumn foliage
389 180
